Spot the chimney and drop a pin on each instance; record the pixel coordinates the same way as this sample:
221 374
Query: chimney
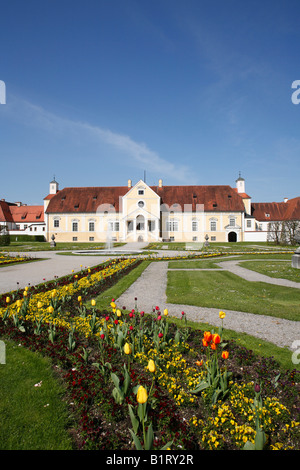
285 199
129 183
160 183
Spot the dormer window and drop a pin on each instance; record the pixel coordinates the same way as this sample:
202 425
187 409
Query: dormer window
140 192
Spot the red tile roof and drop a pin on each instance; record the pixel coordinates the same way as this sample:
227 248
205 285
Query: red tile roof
277 211
88 199
10 212
5 214
27 214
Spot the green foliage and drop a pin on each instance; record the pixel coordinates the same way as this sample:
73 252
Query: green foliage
121 390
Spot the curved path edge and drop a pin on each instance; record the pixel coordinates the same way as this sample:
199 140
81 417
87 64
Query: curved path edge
150 291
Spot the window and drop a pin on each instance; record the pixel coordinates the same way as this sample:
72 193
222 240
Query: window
114 226
130 225
213 226
232 221
140 222
74 226
151 225
141 204
213 239
56 223
194 226
249 223
91 239
91 226
74 239
195 239
140 192
172 225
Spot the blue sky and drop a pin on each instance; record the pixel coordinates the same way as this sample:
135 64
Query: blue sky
189 91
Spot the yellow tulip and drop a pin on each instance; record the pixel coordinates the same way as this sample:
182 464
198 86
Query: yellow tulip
39 305
113 305
79 298
25 293
19 303
151 365
166 312
142 395
7 300
119 312
93 302
222 315
127 348
50 309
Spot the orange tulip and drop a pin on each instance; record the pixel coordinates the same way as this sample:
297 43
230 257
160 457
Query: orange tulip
225 354
213 346
216 339
204 342
207 336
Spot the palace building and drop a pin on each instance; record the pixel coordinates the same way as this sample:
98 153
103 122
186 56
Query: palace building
139 212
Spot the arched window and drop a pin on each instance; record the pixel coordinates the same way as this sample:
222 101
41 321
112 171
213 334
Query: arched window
140 222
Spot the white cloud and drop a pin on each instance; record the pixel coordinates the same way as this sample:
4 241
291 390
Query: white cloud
137 154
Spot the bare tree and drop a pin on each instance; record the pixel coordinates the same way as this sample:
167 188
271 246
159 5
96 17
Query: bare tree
274 232
290 230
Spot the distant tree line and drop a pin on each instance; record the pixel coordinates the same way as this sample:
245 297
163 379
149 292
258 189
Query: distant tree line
286 232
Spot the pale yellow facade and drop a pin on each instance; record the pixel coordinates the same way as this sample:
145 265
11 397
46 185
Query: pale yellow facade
142 217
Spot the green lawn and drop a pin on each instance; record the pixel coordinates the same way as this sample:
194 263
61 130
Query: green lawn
224 290
32 417
24 246
278 269
194 264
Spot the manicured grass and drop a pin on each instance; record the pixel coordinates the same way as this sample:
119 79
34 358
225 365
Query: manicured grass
224 290
194 264
227 247
45 246
277 269
32 417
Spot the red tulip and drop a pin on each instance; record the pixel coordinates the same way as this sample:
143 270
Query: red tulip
216 339
225 354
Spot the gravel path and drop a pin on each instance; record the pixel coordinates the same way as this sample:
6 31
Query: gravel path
150 290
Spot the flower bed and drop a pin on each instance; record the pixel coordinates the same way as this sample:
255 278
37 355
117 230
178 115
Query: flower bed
136 381
6 259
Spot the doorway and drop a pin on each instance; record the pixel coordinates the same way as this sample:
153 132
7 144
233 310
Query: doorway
232 237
